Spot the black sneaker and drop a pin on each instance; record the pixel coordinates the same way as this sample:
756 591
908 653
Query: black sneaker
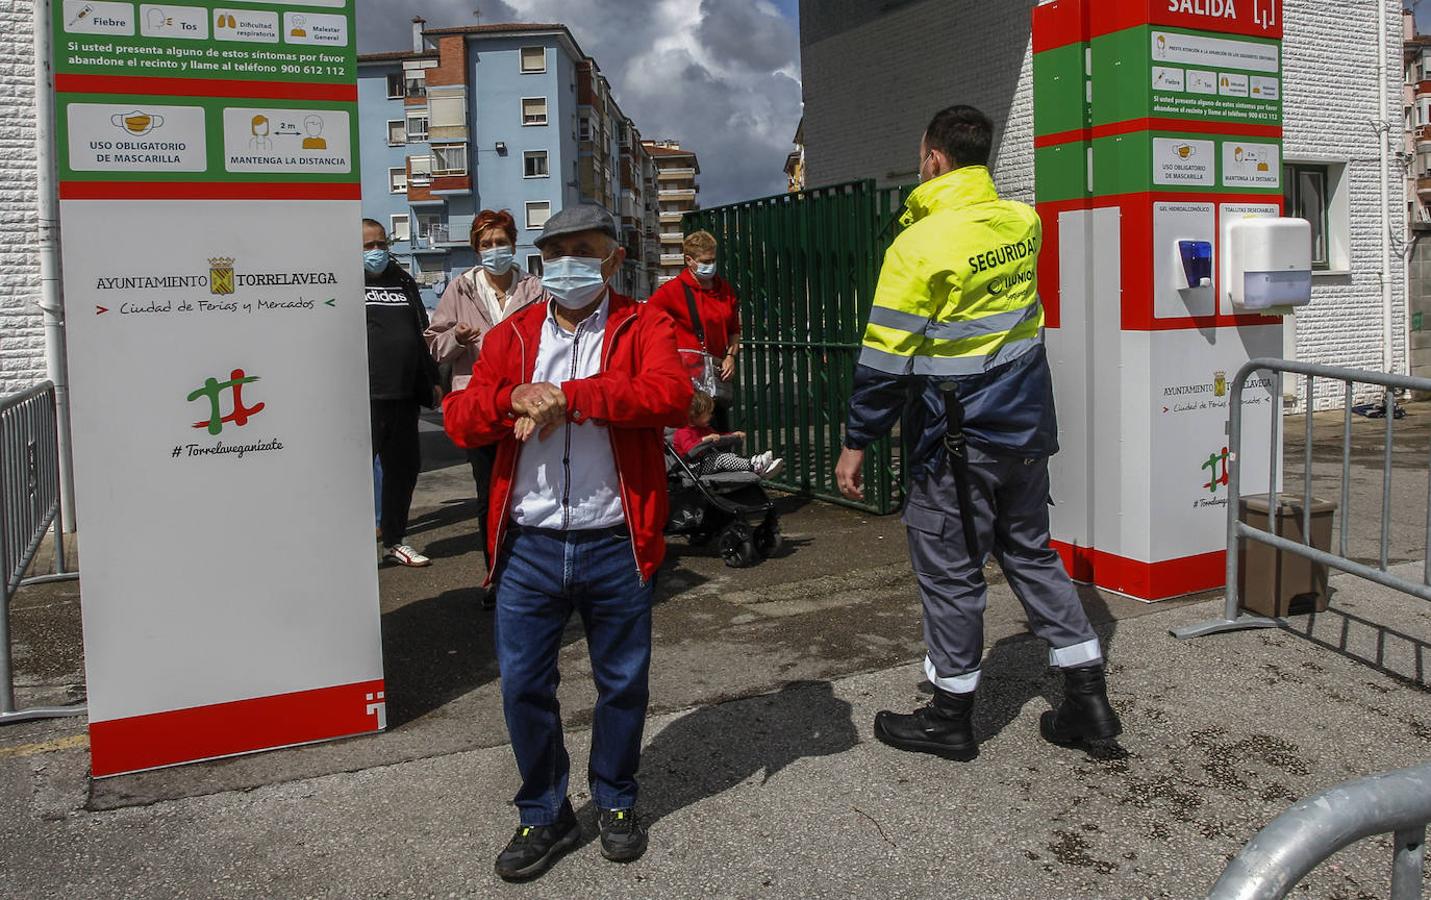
622 837
534 848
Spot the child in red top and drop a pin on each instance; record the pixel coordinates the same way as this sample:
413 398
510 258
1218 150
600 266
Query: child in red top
690 442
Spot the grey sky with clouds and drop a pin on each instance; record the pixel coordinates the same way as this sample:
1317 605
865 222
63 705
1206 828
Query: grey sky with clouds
721 76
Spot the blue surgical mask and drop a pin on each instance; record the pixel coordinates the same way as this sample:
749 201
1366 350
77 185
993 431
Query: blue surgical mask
375 261
575 281
498 260
705 270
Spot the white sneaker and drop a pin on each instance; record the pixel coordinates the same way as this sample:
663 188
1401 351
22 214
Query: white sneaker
772 468
760 461
404 555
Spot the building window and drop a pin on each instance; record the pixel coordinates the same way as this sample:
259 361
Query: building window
421 167
535 163
1307 198
534 110
397 133
583 129
397 180
449 159
416 85
448 112
534 264
417 128
538 211
534 60
395 85
399 230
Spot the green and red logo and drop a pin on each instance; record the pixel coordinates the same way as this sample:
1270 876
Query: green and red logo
1216 467
213 390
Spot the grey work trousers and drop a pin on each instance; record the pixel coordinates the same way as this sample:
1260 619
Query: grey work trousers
1010 508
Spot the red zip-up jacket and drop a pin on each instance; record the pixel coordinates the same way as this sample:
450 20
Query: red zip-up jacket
641 390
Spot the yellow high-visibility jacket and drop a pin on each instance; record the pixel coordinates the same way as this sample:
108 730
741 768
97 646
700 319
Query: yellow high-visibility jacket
958 301
958 293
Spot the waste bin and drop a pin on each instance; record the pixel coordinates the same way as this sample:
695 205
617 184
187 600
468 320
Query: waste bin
1271 582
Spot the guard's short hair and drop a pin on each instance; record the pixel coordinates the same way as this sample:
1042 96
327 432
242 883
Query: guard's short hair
698 242
375 224
701 403
963 134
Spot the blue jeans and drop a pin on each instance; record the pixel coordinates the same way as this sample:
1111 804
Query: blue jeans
544 576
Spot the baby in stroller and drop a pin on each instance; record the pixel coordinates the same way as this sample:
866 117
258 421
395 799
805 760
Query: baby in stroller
692 441
715 492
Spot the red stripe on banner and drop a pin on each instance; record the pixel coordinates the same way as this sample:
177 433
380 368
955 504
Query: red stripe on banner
1063 137
1144 580
203 87
1228 129
161 739
208 190
1133 126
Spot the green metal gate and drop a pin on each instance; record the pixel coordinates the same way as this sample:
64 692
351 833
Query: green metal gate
804 266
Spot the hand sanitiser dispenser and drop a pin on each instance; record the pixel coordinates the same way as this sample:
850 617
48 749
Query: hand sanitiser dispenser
1196 257
1269 263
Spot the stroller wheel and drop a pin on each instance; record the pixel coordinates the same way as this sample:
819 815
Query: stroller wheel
736 546
768 539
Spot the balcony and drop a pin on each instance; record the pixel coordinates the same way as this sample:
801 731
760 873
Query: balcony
678 194
436 238
671 217
672 237
1423 185
673 259
676 174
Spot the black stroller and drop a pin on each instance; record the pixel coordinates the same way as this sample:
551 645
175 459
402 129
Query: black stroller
721 506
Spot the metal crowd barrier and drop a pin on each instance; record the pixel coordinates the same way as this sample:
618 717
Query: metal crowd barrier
1232 618
1299 840
29 504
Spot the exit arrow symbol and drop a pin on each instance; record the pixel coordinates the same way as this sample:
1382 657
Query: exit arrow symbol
331 302
101 310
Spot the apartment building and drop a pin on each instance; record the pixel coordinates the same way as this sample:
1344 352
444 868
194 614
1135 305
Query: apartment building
508 116
677 194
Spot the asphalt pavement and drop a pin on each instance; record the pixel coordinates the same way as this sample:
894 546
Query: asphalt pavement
761 777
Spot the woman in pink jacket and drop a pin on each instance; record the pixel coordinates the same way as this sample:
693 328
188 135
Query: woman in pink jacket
471 306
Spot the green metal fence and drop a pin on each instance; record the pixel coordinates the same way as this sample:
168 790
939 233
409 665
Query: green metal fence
804 266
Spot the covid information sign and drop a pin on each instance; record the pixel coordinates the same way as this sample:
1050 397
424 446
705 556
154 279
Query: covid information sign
209 200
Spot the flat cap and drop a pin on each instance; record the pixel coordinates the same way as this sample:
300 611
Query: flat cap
582 217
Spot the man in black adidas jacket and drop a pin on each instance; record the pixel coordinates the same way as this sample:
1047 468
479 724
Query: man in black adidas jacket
401 377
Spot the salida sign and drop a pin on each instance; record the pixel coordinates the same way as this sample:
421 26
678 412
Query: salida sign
1260 17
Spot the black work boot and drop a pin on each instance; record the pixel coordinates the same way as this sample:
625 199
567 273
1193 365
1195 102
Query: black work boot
622 837
534 848
943 728
1085 715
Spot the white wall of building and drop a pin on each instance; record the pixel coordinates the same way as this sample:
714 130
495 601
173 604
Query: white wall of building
869 91
22 340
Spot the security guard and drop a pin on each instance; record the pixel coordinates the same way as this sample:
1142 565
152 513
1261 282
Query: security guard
956 335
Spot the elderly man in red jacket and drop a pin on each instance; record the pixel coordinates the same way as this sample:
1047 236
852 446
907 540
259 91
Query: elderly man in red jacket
576 393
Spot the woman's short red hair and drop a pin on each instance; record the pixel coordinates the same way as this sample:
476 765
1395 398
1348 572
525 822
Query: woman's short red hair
489 218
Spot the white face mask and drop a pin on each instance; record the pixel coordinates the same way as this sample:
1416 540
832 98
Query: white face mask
499 259
575 281
705 270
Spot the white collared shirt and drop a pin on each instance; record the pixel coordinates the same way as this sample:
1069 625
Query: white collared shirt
569 481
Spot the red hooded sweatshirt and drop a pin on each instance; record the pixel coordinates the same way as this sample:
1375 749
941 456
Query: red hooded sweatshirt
642 389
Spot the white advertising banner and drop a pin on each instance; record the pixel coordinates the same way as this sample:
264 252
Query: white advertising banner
217 355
